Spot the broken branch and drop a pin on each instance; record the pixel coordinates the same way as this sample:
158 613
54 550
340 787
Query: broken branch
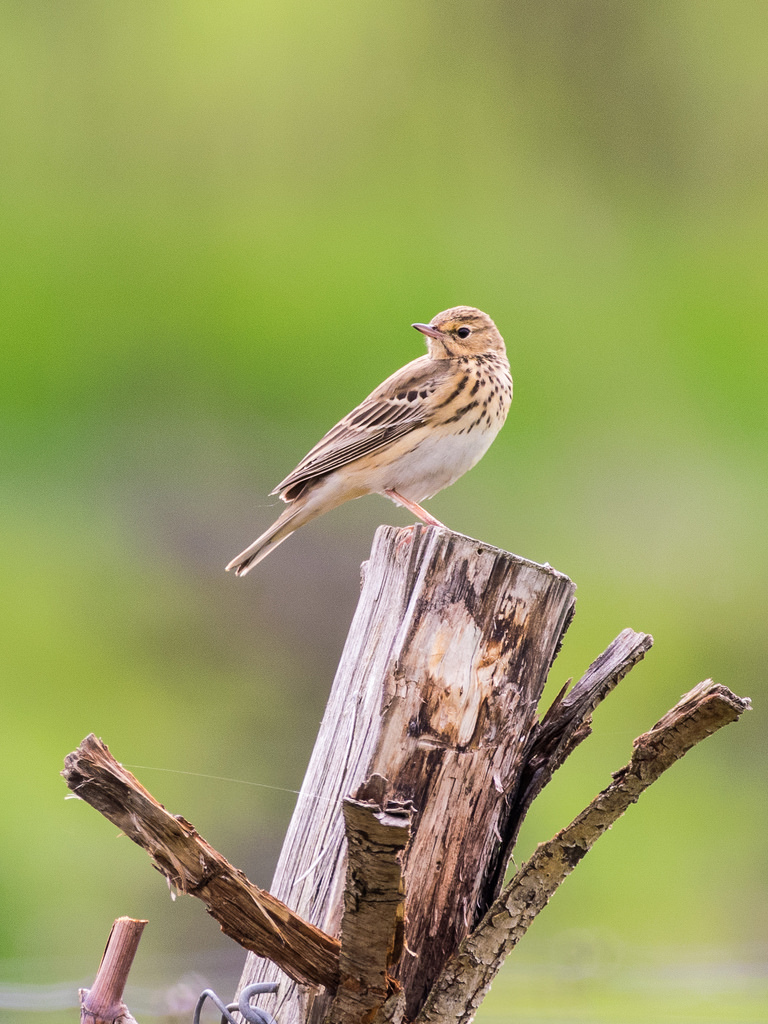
466 978
249 915
372 925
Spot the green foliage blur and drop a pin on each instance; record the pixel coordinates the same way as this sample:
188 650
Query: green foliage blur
218 222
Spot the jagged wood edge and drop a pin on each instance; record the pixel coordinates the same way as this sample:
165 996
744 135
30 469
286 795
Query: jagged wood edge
466 978
564 726
251 916
374 894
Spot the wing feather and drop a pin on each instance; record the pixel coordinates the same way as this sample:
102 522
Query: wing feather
398 406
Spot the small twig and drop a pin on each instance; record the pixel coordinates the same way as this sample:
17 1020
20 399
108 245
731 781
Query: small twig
251 916
467 977
103 1003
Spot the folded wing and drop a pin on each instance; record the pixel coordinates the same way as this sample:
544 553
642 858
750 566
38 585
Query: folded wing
398 406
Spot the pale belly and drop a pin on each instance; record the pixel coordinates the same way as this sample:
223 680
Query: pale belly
421 470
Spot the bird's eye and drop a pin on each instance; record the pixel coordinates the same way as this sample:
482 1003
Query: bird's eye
463 332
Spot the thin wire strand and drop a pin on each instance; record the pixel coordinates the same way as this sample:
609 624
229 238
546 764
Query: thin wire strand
241 782
216 778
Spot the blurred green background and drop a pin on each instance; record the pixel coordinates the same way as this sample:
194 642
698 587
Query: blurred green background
218 223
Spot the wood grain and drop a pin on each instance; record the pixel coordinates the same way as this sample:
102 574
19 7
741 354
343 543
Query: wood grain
466 978
436 691
372 925
249 915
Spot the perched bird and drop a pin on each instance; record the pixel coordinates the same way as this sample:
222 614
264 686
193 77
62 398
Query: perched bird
415 434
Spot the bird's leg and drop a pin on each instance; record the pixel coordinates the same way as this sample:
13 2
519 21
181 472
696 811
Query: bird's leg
418 511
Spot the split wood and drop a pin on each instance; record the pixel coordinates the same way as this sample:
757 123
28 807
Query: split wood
434 613
249 915
95 776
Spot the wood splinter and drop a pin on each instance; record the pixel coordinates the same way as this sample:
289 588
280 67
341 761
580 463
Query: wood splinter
372 926
251 916
435 703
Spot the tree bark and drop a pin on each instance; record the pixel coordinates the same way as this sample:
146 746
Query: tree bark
249 915
436 692
372 925
466 978
429 755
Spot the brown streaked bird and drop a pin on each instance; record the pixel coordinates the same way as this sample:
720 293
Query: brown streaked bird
417 433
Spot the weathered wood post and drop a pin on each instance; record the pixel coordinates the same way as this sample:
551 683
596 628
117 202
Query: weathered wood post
436 693
429 755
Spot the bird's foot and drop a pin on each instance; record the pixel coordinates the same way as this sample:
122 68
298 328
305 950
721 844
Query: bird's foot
417 510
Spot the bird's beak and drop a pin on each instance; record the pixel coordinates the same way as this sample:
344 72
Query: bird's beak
431 332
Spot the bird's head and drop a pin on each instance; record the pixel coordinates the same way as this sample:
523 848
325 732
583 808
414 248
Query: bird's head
461 331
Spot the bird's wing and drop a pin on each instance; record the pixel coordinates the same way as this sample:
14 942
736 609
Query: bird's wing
395 408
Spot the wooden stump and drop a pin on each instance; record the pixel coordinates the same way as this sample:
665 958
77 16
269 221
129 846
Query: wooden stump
436 693
428 758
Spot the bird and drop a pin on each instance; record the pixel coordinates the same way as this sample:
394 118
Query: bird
415 434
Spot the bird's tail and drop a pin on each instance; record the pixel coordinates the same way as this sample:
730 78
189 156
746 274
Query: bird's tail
280 530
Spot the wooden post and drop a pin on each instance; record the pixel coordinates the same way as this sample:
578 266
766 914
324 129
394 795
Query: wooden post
429 755
355 972
436 692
